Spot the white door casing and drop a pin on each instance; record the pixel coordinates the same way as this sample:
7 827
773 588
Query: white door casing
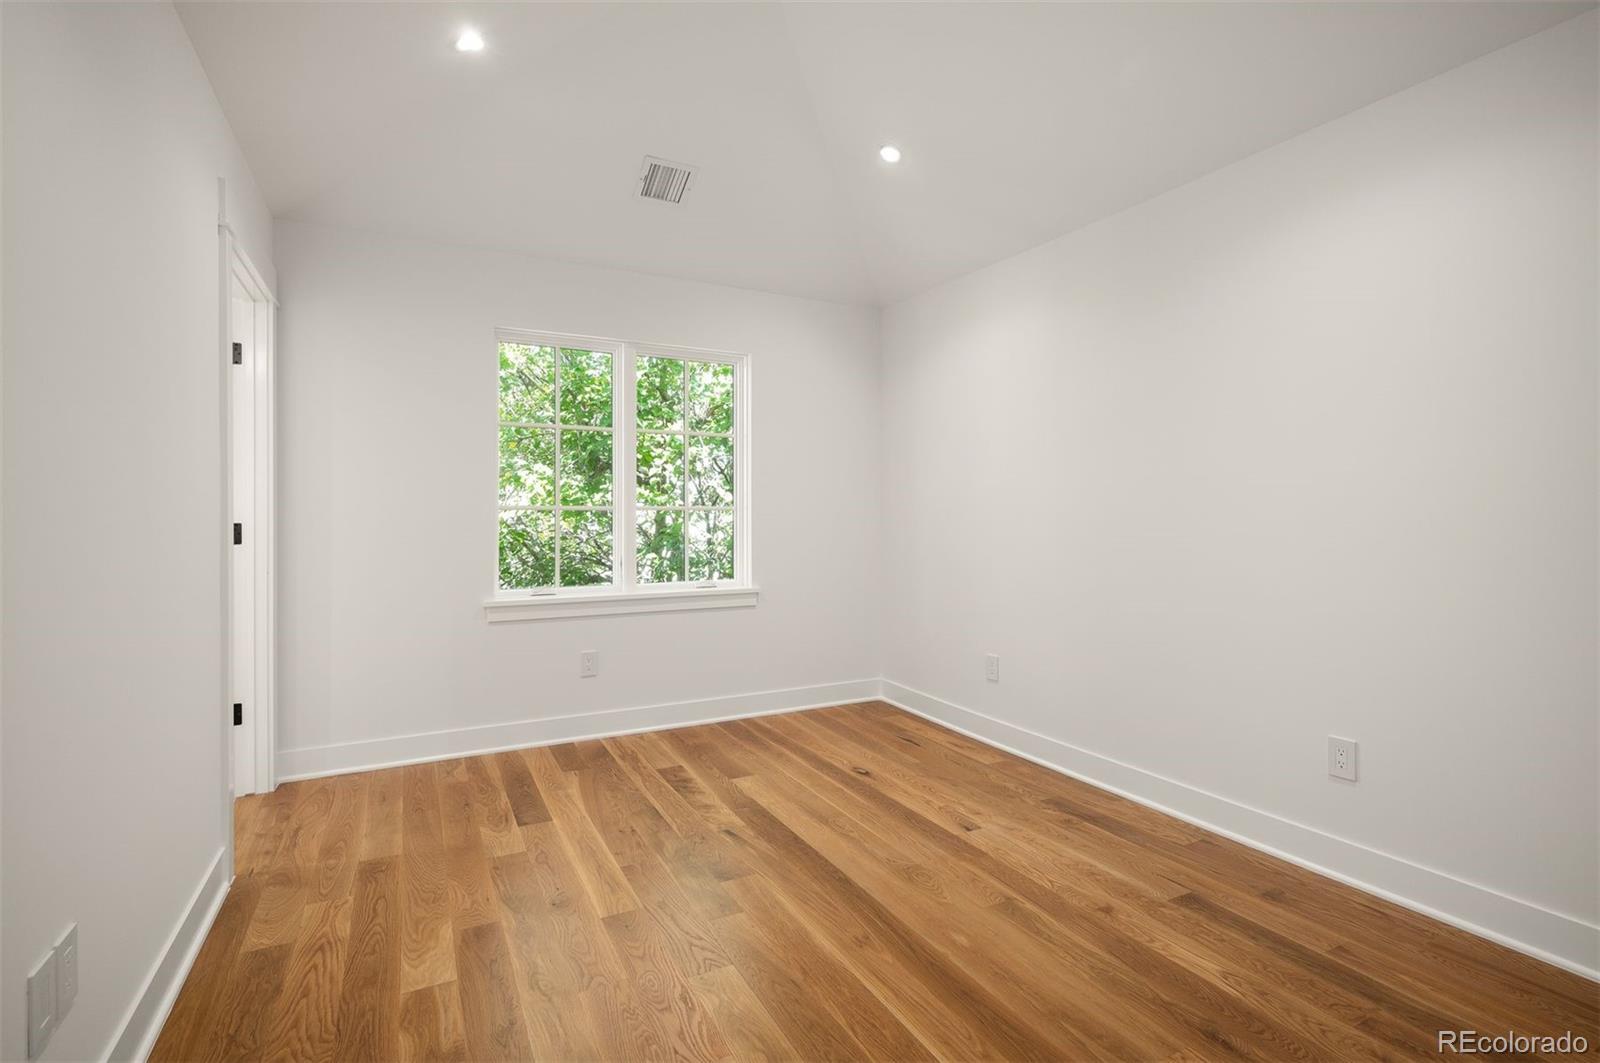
242 662
248 318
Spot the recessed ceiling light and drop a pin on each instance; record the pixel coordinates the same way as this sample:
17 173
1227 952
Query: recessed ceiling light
469 41
889 153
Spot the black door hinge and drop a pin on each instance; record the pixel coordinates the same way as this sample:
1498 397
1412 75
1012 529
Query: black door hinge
238 534
238 713
238 354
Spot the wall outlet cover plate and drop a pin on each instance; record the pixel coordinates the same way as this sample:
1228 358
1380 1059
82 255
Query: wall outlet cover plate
1342 758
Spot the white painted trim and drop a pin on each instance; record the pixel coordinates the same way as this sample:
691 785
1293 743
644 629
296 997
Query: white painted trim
1562 940
315 761
225 260
261 701
612 603
253 274
149 1011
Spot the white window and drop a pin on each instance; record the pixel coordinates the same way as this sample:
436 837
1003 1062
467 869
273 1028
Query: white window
623 480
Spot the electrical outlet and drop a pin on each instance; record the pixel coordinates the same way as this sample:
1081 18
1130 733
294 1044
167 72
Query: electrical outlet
991 667
588 664
42 1015
1342 758
66 972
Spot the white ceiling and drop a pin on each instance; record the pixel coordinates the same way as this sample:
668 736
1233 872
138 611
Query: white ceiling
1019 122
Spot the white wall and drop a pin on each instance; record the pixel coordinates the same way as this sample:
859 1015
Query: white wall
112 510
1306 447
387 507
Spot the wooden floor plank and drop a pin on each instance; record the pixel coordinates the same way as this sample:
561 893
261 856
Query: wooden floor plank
380 835
333 872
431 1027
840 884
825 975
527 805
304 1024
597 867
659 985
490 1009
491 809
247 1000
751 1032
198 1009
369 997
427 944
556 948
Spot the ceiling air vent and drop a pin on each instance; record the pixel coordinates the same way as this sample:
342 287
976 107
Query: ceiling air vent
663 180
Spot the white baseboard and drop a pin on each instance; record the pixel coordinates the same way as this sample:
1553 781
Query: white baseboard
1559 939
315 761
154 1002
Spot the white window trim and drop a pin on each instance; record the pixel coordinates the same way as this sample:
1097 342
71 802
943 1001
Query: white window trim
627 595
612 603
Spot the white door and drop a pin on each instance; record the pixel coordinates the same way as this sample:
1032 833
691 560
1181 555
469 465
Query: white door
242 651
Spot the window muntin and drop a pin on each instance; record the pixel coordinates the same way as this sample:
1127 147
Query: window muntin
684 461
576 419
557 465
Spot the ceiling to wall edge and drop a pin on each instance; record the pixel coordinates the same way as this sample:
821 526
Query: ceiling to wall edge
879 301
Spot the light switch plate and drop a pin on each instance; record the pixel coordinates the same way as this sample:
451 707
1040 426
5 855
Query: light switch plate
41 1005
66 972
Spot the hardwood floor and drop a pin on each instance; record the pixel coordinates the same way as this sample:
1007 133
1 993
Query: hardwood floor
849 883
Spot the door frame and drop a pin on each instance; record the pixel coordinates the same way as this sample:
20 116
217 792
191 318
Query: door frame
260 713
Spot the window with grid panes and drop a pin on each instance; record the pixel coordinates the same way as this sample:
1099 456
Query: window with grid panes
576 417
557 466
684 476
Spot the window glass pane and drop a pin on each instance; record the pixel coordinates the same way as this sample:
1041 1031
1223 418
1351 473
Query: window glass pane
711 544
710 471
585 468
660 545
659 393
660 469
527 549
527 466
527 383
585 548
710 397
585 387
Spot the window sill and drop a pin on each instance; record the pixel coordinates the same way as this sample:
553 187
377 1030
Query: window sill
563 606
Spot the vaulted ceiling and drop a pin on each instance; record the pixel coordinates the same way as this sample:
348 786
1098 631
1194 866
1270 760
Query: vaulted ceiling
1018 122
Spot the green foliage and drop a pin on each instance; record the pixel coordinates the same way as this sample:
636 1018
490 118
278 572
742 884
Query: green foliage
527 466
711 544
659 464
659 393
585 468
527 548
710 397
527 383
710 471
585 387
528 538
659 545
585 548
674 397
